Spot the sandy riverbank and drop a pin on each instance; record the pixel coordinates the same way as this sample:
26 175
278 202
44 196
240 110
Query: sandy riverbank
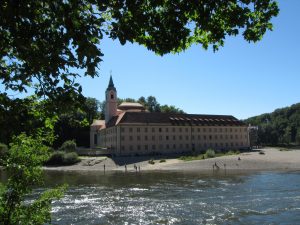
273 159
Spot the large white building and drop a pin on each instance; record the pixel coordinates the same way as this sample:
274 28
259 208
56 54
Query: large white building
128 129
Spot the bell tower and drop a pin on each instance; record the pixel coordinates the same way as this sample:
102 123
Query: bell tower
111 101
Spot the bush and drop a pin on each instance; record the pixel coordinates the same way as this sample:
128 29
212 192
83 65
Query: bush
68 146
151 161
60 158
210 153
56 158
162 160
3 150
70 158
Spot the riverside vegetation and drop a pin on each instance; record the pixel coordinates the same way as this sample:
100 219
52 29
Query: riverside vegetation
210 153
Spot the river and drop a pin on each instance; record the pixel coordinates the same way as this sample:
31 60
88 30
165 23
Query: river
176 198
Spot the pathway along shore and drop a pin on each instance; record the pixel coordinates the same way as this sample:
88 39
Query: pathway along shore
272 159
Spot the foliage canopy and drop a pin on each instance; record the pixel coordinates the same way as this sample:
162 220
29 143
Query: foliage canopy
43 41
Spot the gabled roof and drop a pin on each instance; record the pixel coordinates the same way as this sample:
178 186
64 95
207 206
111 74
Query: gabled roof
174 119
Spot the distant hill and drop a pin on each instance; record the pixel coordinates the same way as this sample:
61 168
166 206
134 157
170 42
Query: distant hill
279 127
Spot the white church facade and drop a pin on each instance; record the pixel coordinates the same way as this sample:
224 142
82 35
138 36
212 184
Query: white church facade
128 129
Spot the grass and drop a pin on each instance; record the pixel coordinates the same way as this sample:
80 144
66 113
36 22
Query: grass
206 156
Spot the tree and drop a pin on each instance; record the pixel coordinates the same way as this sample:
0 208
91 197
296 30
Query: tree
43 41
152 104
170 109
23 164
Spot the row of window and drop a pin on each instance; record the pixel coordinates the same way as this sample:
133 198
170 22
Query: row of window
180 146
181 137
180 129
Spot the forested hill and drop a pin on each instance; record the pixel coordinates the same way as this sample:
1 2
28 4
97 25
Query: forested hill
279 127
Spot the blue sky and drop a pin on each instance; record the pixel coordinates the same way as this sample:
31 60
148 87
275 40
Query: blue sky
241 79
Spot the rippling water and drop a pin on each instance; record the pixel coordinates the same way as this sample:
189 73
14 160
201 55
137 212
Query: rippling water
177 198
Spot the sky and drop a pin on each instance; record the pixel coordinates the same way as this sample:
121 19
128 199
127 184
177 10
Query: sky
241 79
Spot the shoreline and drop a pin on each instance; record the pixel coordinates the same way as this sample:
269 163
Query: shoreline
272 160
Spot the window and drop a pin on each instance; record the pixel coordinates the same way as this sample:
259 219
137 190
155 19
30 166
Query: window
146 138
146 129
146 147
153 138
180 137
180 145
153 129
174 146
123 148
130 147
192 129
167 129
220 129
186 129
174 137
198 129
180 129
123 129
167 146
111 96
139 147
95 139
122 138
130 138
199 137
138 138
209 129
159 129
186 137
173 129
130 129
187 145
221 136
160 137
138 130
216 137
204 137
167 137
210 137
153 147
215 129
193 137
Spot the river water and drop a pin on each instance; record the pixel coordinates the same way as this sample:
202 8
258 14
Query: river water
177 198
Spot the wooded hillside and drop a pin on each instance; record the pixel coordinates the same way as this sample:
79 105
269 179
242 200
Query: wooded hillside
279 127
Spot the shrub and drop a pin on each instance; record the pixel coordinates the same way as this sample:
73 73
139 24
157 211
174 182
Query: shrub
162 160
68 146
3 150
151 161
70 158
210 153
3 153
60 158
56 158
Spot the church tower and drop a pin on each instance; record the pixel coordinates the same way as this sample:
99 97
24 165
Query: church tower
111 101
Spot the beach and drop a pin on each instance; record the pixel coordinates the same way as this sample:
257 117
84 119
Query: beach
272 159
